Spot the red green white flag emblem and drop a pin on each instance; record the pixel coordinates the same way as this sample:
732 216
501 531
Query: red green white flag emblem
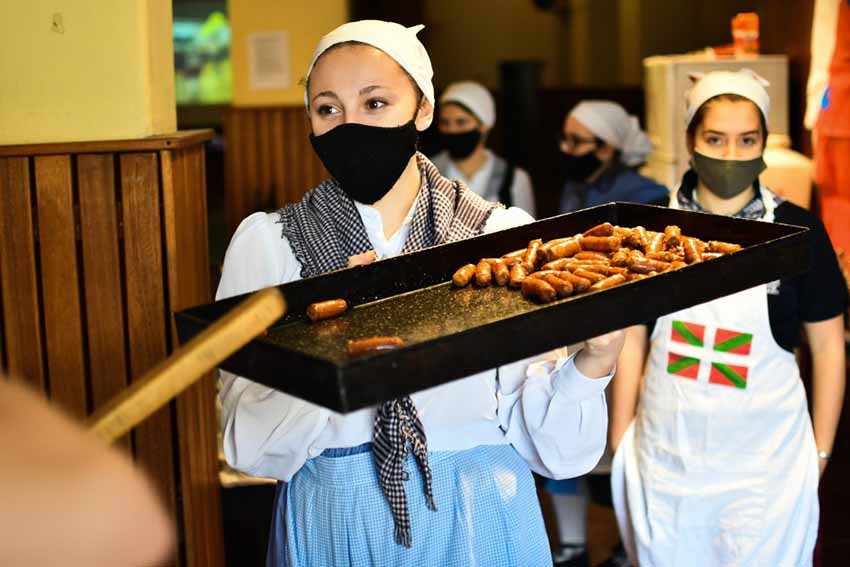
725 341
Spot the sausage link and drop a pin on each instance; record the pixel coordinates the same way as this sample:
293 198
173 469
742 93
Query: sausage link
647 266
610 281
463 276
563 249
533 254
620 257
692 253
665 256
579 283
672 236
604 229
483 274
712 255
723 247
371 345
518 274
562 287
592 256
601 243
326 309
656 243
537 289
588 275
501 273
637 238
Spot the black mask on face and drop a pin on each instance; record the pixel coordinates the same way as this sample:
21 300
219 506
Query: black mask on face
727 178
366 160
579 168
461 145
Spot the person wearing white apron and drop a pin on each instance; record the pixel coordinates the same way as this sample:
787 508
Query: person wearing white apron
717 462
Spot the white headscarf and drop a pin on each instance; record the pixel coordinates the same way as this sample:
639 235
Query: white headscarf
475 97
744 82
610 122
395 40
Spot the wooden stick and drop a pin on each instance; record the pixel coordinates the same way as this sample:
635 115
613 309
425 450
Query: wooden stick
187 364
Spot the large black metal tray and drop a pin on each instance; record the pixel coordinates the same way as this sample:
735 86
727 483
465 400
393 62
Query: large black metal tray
451 333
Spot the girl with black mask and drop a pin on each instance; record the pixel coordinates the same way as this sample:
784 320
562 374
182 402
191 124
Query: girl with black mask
432 478
601 145
467 114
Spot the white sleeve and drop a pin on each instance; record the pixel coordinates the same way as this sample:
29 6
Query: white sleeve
522 191
553 415
503 219
265 432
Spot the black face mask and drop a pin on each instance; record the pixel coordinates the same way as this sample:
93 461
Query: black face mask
366 160
579 168
727 178
461 145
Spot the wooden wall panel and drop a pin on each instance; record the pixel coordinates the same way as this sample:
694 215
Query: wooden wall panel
102 277
21 314
146 307
269 161
60 283
189 284
99 241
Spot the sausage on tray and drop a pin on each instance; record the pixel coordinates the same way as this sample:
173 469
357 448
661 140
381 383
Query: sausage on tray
326 309
371 345
463 276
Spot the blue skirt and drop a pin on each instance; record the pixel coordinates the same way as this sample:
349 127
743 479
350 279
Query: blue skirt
333 512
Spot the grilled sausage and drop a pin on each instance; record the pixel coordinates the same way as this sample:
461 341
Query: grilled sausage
483 273
604 229
501 273
724 247
601 243
588 275
692 253
533 255
610 281
371 345
564 249
539 290
518 274
562 287
579 283
586 255
463 276
656 243
637 238
672 236
326 309
647 266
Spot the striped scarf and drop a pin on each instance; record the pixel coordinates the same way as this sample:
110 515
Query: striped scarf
324 229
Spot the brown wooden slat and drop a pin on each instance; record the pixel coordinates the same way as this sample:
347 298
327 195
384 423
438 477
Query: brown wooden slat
146 324
177 140
184 197
251 175
102 277
19 285
291 156
60 283
278 158
264 145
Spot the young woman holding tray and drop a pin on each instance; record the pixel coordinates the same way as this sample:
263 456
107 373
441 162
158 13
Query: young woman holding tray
442 477
717 459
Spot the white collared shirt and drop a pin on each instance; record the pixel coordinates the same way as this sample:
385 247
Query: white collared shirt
553 415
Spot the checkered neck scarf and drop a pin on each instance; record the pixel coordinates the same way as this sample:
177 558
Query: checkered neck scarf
324 229
754 210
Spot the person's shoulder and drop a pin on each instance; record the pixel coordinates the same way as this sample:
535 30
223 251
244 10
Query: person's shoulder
256 225
788 213
641 180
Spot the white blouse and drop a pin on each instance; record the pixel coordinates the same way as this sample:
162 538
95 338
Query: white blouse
552 414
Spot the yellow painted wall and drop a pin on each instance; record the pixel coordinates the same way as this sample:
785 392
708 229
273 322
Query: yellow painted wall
107 72
305 23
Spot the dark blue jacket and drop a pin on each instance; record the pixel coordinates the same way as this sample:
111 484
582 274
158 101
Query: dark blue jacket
619 183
